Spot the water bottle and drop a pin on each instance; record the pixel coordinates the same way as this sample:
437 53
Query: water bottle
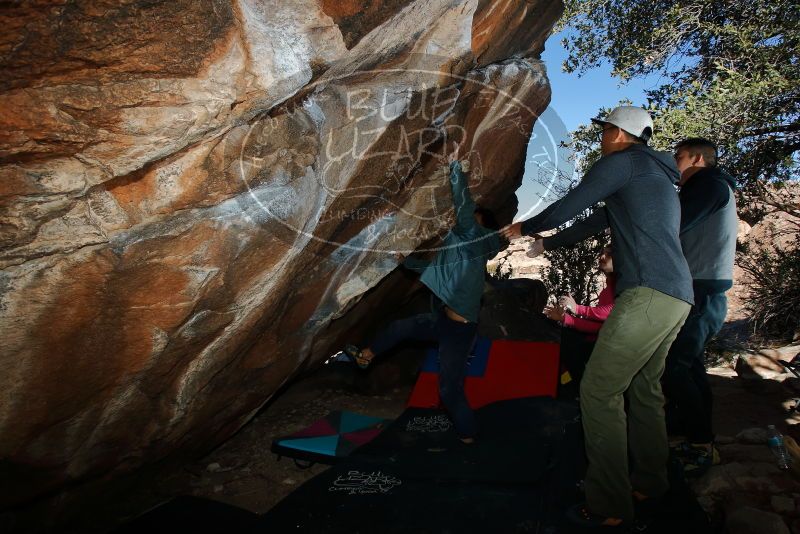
775 442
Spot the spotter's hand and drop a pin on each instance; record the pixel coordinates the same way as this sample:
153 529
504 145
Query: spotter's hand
536 249
512 231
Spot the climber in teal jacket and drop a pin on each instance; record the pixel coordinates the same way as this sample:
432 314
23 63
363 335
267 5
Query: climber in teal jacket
457 273
456 277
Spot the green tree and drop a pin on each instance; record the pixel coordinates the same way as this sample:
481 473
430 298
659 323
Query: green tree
730 71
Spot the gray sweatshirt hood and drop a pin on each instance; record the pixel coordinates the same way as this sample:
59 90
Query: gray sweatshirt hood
665 160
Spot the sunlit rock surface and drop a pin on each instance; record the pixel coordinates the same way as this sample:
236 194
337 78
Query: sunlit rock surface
193 194
514 262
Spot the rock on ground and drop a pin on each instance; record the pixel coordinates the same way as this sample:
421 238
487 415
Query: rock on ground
747 492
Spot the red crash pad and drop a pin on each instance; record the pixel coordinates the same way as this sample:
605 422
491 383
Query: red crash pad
513 369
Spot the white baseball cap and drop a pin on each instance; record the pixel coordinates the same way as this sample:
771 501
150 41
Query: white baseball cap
635 121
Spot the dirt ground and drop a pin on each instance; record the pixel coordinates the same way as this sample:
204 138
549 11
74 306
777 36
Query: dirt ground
244 472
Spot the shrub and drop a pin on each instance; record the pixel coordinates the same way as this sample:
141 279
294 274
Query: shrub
496 272
773 290
573 270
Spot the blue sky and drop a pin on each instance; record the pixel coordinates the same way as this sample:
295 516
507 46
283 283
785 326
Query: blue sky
575 100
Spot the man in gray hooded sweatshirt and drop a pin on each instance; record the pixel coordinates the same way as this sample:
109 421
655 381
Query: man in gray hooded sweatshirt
654 295
708 236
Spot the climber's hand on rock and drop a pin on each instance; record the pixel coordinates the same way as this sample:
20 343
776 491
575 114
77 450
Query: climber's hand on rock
453 155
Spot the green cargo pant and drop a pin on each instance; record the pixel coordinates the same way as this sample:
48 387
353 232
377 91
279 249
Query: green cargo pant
628 357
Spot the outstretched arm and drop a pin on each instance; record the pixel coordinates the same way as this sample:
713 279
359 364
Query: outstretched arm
592 225
462 199
603 179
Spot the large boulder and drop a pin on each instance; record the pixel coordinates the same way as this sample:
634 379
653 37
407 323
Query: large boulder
196 194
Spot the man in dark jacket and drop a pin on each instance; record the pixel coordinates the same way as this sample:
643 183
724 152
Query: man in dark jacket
654 294
456 278
708 236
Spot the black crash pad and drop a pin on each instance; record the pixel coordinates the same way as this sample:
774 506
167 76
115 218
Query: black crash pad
417 477
191 514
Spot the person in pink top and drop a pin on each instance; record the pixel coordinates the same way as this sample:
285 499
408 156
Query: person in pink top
581 325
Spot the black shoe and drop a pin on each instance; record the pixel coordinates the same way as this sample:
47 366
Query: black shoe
355 355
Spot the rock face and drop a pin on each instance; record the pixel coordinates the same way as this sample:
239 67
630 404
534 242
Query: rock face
194 196
514 260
